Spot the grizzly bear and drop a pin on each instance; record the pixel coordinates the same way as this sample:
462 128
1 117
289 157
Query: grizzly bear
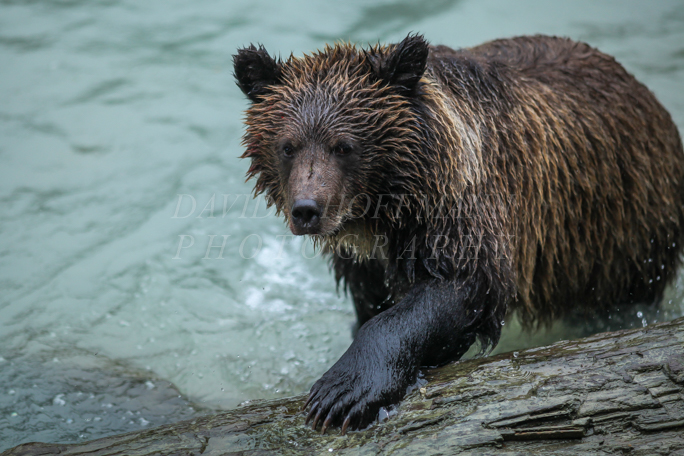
531 174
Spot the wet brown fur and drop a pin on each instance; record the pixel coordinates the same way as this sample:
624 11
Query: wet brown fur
567 173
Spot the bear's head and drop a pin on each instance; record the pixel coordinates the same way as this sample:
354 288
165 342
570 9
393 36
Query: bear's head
331 135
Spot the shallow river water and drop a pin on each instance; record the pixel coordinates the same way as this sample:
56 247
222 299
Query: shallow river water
120 129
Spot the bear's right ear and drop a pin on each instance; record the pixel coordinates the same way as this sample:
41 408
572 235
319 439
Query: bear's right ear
404 65
255 70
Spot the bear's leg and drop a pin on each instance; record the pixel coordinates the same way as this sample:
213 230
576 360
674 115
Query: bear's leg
436 322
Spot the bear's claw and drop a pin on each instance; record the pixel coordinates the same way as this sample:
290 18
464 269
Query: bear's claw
347 400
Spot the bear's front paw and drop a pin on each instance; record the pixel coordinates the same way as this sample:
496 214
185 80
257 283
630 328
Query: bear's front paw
352 395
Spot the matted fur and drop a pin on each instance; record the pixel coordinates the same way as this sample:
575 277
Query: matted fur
532 173
565 171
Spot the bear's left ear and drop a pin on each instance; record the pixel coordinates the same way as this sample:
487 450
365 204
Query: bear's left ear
255 70
404 65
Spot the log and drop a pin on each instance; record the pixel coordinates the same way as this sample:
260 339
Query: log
611 393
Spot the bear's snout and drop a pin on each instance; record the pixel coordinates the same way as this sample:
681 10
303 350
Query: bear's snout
306 217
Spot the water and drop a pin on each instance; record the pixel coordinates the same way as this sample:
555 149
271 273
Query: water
111 110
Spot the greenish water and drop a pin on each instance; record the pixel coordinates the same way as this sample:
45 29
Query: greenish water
115 116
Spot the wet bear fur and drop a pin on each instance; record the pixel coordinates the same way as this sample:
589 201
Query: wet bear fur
531 174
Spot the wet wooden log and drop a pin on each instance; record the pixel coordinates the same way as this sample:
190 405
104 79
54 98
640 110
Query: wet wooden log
612 393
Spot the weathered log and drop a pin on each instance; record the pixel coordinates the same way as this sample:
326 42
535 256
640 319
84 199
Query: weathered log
612 393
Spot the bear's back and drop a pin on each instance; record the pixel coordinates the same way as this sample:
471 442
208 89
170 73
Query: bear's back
593 161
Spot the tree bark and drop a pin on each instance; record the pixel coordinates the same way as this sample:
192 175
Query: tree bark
612 393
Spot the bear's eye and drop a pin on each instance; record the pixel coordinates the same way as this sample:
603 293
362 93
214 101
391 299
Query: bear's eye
288 150
343 149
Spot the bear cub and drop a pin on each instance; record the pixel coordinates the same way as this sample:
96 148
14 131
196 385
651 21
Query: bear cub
448 187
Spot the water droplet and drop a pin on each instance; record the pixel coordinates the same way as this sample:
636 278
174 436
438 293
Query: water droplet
515 354
503 322
58 400
640 314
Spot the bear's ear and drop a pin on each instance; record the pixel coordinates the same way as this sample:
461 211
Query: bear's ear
404 65
255 70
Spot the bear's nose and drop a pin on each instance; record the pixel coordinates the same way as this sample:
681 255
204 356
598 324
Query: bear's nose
306 214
